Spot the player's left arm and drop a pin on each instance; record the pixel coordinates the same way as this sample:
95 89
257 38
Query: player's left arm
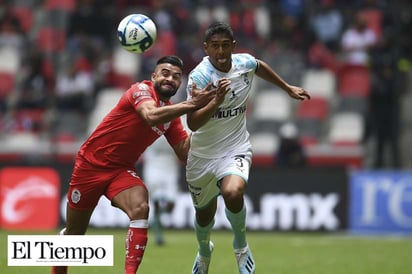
199 117
265 72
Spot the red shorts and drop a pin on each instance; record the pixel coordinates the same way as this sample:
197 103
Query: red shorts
88 183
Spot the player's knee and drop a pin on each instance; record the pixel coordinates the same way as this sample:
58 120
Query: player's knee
234 188
233 193
139 211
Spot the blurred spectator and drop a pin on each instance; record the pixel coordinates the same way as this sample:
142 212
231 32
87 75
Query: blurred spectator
327 24
91 25
75 87
385 107
292 28
319 56
357 40
36 80
12 47
242 20
291 152
374 12
11 32
293 8
402 11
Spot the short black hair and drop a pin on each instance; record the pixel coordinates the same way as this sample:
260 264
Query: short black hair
218 28
171 59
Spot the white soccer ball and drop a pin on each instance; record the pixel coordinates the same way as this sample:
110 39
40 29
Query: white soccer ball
136 33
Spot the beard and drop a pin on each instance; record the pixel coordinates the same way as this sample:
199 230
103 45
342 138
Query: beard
165 92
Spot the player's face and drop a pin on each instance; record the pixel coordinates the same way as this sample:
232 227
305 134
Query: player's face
166 80
219 48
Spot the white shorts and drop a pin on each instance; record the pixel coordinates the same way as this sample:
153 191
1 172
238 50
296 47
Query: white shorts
204 175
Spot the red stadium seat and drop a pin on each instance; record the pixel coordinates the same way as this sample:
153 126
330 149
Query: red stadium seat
308 140
374 19
25 16
354 80
315 108
123 81
7 82
67 5
310 115
51 40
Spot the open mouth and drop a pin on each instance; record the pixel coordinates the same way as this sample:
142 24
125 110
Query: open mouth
168 86
221 60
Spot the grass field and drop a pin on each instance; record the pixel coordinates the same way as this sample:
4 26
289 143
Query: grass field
283 253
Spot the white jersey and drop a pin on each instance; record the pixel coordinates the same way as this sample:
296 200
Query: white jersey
226 131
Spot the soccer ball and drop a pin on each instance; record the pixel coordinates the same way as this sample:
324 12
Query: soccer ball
136 33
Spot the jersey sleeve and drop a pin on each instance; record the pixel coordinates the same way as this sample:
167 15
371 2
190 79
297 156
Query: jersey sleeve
176 132
248 61
139 93
199 77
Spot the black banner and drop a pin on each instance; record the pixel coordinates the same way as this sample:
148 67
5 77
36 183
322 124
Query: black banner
300 199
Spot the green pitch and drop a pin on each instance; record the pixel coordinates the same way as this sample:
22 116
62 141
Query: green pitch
283 253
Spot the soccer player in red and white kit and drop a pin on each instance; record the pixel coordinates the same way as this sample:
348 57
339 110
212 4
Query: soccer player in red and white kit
105 163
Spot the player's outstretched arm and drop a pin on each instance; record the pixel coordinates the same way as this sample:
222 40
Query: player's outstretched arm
154 115
199 117
265 72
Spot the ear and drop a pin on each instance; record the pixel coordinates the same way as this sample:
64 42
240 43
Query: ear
153 76
234 44
205 47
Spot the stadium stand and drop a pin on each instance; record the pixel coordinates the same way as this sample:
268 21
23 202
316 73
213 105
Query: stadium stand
320 82
346 129
353 80
271 108
334 116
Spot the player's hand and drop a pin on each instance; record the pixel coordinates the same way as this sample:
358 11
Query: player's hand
201 97
298 93
223 87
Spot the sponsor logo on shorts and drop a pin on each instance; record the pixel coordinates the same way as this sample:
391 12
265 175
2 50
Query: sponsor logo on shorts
195 193
76 195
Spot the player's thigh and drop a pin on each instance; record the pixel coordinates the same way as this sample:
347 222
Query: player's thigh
202 182
233 170
129 193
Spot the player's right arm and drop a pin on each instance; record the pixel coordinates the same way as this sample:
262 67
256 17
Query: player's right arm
154 115
181 149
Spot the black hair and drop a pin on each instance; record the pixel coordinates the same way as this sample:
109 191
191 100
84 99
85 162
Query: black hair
171 59
218 28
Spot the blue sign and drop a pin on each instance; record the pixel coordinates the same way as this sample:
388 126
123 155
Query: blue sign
380 202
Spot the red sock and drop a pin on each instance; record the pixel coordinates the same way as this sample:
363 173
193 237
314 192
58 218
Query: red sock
135 247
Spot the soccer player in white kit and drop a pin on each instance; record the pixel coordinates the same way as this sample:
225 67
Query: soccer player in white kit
161 171
220 154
